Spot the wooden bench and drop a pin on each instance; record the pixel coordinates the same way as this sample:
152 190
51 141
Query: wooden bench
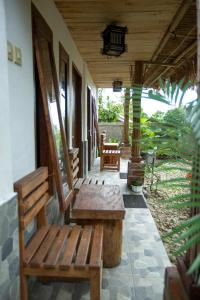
110 159
77 182
81 181
55 250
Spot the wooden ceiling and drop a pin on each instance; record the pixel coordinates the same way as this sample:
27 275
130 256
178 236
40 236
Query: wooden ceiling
148 22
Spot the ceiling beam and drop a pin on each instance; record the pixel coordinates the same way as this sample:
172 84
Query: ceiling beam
158 63
177 61
175 22
151 77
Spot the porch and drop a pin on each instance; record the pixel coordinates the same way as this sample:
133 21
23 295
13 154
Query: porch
161 41
140 276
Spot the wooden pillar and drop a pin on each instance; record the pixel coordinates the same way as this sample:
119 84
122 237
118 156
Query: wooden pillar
136 103
136 165
126 116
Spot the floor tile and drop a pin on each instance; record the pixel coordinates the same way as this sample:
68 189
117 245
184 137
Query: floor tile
141 272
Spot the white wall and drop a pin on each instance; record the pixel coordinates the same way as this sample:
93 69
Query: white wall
21 78
21 88
5 149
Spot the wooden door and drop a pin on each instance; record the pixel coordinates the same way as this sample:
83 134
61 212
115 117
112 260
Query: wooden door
93 129
76 112
89 128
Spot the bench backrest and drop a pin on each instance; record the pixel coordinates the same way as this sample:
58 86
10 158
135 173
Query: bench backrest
32 197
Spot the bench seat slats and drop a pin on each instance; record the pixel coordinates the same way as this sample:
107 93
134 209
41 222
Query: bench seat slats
87 181
79 183
111 152
73 246
93 181
42 252
83 248
70 250
54 254
35 243
100 182
96 251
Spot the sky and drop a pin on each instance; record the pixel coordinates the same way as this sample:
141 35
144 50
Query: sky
149 106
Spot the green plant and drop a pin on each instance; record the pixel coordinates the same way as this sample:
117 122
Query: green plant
184 149
108 111
137 182
113 140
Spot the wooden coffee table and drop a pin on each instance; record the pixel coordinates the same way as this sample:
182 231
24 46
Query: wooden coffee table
102 204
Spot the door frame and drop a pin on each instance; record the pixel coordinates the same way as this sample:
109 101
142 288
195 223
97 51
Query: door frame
89 127
78 114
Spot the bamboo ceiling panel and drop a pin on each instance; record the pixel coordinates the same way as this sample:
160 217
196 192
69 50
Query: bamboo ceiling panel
180 51
147 22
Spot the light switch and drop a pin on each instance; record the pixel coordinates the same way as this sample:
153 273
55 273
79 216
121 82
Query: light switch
18 56
10 51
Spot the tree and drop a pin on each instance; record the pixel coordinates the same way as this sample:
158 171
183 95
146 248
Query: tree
108 111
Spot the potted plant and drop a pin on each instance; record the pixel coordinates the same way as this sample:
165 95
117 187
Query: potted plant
137 185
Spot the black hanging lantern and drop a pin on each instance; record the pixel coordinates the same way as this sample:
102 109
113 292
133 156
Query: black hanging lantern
117 86
114 40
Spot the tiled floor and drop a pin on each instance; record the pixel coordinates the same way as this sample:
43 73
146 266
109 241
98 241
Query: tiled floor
141 272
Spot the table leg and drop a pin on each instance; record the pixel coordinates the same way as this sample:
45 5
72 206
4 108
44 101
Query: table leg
112 243
112 240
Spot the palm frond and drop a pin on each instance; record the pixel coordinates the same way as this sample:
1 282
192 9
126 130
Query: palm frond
187 149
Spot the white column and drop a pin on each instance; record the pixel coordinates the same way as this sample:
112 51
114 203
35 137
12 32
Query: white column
6 181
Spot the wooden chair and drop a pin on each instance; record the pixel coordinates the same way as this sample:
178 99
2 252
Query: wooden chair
77 182
55 250
110 159
109 155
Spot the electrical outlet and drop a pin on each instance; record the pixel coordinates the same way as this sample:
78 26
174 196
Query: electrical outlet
10 51
18 56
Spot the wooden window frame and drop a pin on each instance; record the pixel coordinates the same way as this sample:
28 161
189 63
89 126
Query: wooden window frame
63 56
38 24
